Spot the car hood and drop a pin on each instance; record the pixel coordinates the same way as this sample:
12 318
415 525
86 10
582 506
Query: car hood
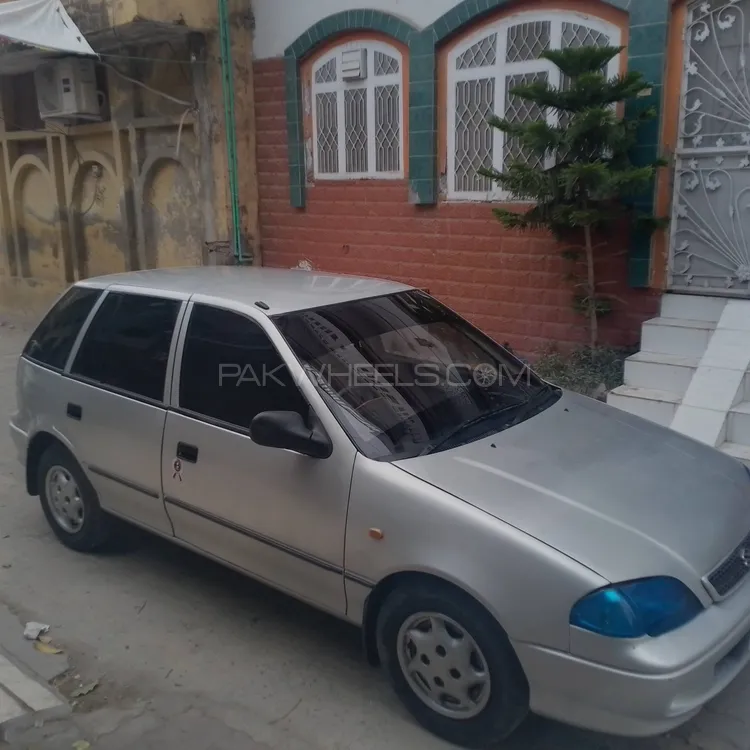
619 494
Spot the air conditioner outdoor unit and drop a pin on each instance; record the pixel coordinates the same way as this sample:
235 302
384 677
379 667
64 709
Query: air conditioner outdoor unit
66 90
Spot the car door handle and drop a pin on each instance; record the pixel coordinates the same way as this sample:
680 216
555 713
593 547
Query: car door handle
187 453
74 411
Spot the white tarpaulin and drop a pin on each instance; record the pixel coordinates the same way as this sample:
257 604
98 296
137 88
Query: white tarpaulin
44 24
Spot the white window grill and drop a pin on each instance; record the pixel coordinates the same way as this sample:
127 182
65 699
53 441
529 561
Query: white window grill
358 125
482 71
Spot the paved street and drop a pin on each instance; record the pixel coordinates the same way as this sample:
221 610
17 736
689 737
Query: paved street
189 655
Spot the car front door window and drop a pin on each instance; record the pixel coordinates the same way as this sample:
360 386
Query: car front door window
231 372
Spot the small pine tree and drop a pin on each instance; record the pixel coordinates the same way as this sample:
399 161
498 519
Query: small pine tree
584 187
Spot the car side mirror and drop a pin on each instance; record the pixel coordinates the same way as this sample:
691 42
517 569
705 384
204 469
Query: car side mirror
287 430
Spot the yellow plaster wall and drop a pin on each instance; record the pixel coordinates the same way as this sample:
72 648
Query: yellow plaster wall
115 196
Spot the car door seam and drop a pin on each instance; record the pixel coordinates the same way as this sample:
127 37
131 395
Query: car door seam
347 575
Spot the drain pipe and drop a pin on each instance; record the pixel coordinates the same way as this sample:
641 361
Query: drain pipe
227 78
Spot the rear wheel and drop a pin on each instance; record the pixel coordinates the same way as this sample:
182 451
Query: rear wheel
70 503
452 665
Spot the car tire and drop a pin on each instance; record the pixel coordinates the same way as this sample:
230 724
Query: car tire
489 717
70 502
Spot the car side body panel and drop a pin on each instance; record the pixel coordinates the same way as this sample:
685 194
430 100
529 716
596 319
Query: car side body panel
428 530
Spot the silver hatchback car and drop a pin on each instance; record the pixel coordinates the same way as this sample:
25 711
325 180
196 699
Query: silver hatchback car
506 547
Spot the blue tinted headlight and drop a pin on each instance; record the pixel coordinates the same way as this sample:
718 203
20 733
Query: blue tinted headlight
650 606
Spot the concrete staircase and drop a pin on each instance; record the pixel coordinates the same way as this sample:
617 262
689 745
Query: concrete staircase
693 372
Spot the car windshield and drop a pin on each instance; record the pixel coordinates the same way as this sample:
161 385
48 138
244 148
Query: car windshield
406 376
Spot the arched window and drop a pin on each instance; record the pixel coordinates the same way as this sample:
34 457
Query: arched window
484 68
357 112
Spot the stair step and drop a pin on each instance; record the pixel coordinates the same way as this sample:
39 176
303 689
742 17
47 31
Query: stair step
738 424
679 336
649 403
25 700
706 325
735 450
692 307
659 371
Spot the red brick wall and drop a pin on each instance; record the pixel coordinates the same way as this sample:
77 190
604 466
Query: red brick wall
509 284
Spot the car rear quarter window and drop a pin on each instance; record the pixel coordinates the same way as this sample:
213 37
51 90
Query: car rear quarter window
231 371
127 344
53 339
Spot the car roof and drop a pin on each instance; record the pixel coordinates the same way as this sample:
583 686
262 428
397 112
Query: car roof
282 290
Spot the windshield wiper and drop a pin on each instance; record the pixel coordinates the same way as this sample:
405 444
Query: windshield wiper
523 410
432 447
533 405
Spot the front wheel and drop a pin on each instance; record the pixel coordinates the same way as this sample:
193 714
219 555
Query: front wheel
70 503
452 665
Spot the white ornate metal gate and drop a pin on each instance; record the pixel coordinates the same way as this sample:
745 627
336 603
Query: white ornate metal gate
710 247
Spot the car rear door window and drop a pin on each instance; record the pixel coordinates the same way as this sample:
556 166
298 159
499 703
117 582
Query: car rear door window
127 344
53 339
231 371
